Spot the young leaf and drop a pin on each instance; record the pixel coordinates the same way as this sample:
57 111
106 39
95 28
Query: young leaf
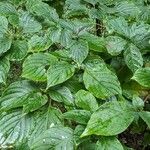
59 73
62 94
109 143
54 138
34 66
145 115
79 51
110 119
142 76
86 100
79 116
101 82
133 58
18 50
4 69
22 94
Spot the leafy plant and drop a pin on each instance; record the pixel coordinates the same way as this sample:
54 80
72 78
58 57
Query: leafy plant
77 79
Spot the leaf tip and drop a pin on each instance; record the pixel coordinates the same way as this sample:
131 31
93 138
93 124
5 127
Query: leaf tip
85 133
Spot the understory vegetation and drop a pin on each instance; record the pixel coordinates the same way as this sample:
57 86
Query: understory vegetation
74 74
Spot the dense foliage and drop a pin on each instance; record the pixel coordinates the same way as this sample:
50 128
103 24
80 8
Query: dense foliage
74 74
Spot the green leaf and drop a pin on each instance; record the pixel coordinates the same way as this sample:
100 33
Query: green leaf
86 100
66 38
54 138
3 25
5 44
34 102
137 102
61 35
110 119
22 94
145 115
7 9
118 25
79 51
18 50
109 143
44 10
77 133
34 66
101 82
29 24
95 43
59 73
142 76
14 20
14 127
133 57
4 69
79 116
39 43
115 45
46 118
127 8
62 94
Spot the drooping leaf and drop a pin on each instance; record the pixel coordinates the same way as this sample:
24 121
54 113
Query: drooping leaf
56 137
109 143
59 73
34 66
79 116
110 119
133 58
145 115
62 94
142 76
79 51
22 94
4 69
101 82
18 50
86 100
